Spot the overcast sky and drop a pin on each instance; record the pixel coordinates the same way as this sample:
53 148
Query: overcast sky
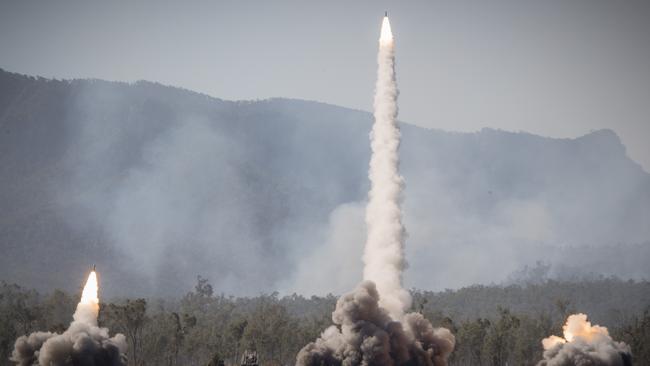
555 68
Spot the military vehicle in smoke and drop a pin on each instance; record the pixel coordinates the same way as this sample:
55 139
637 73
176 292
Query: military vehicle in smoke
249 358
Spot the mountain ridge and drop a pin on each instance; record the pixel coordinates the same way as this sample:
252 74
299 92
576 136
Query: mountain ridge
158 184
180 90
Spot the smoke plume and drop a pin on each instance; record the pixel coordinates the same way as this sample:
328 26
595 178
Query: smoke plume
370 324
384 251
365 334
83 343
584 344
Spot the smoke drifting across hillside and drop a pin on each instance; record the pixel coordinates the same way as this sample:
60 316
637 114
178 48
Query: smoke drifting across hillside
253 195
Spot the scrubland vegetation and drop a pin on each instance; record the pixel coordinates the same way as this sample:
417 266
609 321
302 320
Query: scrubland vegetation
494 325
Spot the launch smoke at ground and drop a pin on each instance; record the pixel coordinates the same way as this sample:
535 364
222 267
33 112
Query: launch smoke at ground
83 343
364 334
370 324
584 344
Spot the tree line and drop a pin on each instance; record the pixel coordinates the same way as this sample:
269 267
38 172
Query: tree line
493 325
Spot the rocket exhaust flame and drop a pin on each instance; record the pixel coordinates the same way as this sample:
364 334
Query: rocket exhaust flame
583 343
88 307
83 343
371 327
386 35
89 293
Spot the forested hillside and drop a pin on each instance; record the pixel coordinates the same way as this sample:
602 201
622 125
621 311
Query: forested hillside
156 184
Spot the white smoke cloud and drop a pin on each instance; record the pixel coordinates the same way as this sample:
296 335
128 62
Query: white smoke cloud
173 187
338 256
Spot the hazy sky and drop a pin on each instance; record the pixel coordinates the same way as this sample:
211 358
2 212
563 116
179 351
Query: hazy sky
556 68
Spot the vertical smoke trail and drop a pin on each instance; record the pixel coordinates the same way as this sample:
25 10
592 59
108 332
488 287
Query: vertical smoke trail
370 324
384 251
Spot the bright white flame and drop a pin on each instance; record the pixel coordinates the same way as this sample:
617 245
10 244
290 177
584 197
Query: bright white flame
386 33
88 307
89 294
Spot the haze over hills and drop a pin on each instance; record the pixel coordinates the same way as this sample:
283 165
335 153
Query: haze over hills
157 185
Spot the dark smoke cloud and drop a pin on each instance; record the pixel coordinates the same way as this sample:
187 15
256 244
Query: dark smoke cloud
579 353
82 344
365 334
26 348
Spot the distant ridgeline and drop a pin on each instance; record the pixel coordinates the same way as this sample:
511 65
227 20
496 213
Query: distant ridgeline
158 184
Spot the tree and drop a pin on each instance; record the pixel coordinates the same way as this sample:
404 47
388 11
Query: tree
267 328
469 342
528 335
58 308
128 319
500 338
636 333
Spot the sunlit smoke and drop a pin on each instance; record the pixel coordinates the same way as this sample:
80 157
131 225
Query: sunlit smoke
83 343
576 326
583 343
